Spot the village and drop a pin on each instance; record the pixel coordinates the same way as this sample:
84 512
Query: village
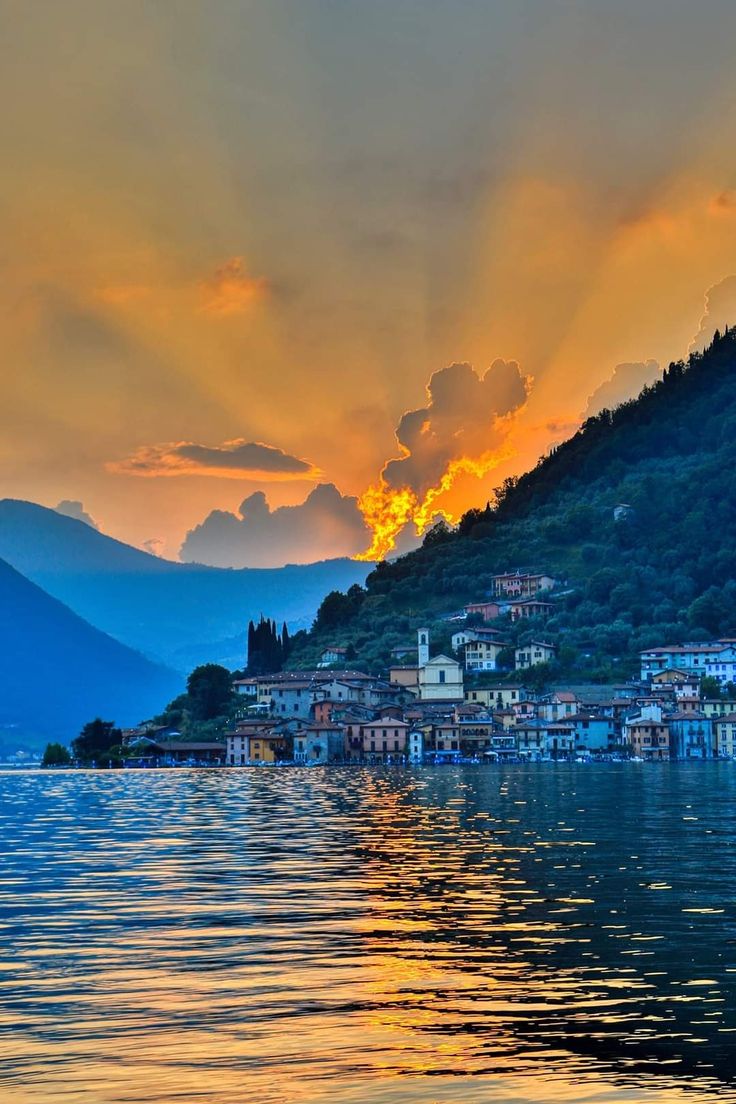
449 708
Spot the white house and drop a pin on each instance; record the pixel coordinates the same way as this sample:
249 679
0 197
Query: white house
482 655
530 655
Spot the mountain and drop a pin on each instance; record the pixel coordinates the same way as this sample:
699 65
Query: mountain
181 614
660 570
58 672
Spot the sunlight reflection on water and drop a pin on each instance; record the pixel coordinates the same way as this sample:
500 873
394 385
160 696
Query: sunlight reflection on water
495 934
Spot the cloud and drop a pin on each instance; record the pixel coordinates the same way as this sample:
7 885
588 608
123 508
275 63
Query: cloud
154 545
325 525
74 509
627 382
231 290
462 418
720 311
237 459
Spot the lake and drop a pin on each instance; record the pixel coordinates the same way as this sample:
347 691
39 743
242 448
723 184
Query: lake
495 934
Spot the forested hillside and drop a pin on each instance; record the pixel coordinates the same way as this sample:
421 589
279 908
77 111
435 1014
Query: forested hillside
664 572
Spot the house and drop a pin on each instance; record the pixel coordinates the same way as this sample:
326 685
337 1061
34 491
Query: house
514 584
257 741
539 739
441 678
495 697
724 735
384 738
718 707
331 655
406 677
560 740
716 657
559 705
488 611
445 740
246 686
526 710
647 734
593 732
320 743
293 699
466 636
528 607
482 655
691 735
531 655
476 737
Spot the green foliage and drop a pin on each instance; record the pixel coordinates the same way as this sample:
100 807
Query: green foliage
210 691
96 740
268 649
664 573
56 755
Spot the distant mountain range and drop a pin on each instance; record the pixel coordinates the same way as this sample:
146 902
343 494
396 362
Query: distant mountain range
180 614
57 672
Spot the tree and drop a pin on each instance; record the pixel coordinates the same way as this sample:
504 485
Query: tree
267 648
56 755
710 687
95 739
210 691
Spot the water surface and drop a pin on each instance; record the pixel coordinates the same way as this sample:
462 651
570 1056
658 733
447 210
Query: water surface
495 934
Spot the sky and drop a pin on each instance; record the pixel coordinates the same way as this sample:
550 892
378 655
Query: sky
281 280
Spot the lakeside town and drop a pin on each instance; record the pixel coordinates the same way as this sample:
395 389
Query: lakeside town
448 708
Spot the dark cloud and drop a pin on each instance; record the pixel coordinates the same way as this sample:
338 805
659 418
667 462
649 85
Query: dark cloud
462 418
720 311
626 383
235 459
74 509
325 525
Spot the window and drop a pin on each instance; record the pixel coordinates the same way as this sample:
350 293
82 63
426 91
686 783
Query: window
442 676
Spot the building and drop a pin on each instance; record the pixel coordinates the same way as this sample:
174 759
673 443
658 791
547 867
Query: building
441 679
593 732
559 705
415 746
528 607
495 697
716 658
405 677
514 584
331 655
466 636
482 655
384 738
691 735
647 734
256 742
724 736
320 743
194 753
531 655
488 611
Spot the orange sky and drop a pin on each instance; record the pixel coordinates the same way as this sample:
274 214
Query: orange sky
272 223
